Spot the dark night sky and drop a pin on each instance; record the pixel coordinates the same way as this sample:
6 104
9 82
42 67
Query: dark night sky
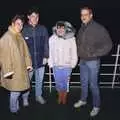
105 11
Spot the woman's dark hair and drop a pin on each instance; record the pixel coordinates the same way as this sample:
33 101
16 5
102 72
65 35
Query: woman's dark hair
60 24
16 17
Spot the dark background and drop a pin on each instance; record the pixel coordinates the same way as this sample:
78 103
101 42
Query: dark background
106 12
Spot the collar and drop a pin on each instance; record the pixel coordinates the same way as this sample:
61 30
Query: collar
12 29
89 23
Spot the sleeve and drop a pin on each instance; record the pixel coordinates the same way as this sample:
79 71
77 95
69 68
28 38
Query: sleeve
74 58
50 59
27 56
46 45
78 42
6 60
107 42
104 44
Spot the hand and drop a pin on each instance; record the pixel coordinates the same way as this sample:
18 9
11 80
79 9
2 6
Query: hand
50 63
45 61
29 68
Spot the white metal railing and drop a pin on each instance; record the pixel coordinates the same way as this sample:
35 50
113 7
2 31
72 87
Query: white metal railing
113 75
115 68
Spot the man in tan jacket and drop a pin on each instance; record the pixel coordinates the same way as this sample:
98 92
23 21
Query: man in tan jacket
15 63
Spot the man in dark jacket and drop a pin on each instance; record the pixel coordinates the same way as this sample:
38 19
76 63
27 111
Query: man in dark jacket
36 36
93 41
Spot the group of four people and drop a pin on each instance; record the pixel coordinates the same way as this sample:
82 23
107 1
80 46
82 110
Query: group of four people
24 51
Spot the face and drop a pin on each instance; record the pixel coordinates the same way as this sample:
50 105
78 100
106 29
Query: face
33 19
86 16
60 30
18 25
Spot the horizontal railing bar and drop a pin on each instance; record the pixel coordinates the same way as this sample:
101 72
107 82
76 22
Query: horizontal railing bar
79 82
47 86
79 74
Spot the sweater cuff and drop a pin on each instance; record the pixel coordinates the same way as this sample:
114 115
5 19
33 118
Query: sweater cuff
8 74
29 67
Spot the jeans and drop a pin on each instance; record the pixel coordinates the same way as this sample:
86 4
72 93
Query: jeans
61 75
39 74
89 75
14 100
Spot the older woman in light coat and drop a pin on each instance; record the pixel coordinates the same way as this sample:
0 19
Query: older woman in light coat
15 63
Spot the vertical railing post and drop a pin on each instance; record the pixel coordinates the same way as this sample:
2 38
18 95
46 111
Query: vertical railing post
50 80
115 67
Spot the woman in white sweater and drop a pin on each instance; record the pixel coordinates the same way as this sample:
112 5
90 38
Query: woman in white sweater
62 56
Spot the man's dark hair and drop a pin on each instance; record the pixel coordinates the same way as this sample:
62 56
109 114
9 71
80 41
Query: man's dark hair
33 10
87 8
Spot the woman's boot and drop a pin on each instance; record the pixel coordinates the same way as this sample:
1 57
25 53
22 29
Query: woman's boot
64 97
60 96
